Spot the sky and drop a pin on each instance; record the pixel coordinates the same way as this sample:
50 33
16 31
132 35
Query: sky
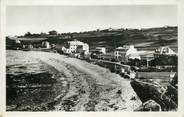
36 19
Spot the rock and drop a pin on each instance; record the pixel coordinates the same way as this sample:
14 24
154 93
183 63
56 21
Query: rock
174 81
149 105
152 91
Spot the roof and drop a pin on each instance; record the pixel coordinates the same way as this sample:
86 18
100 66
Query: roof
26 39
165 50
121 49
132 50
76 42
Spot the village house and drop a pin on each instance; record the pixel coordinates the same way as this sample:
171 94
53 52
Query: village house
76 46
25 42
120 53
13 43
166 50
45 44
17 41
31 43
147 56
101 50
132 53
126 52
98 51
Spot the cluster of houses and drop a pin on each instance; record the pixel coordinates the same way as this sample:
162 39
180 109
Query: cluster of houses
123 54
128 52
29 43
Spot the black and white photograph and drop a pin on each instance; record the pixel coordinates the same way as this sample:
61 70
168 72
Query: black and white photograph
97 58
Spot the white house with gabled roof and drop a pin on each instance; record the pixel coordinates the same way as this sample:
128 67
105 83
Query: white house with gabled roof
126 52
165 50
132 53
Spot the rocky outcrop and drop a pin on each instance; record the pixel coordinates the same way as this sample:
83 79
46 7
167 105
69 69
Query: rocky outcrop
149 105
167 97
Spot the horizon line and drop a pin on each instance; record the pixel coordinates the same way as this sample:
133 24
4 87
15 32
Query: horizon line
82 31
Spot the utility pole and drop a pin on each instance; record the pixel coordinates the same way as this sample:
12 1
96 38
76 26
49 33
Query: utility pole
147 61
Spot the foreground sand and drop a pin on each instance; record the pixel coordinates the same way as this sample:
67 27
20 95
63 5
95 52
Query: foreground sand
88 87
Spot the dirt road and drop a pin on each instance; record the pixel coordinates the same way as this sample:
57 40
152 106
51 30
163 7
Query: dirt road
89 87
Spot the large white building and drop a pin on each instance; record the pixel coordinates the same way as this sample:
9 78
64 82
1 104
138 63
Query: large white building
77 47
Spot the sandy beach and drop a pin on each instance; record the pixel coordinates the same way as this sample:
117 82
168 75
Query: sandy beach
77 86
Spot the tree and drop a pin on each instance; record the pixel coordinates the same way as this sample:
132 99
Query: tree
43 34
28 34
52 32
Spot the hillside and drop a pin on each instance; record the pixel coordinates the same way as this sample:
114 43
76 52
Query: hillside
149 38
111 38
